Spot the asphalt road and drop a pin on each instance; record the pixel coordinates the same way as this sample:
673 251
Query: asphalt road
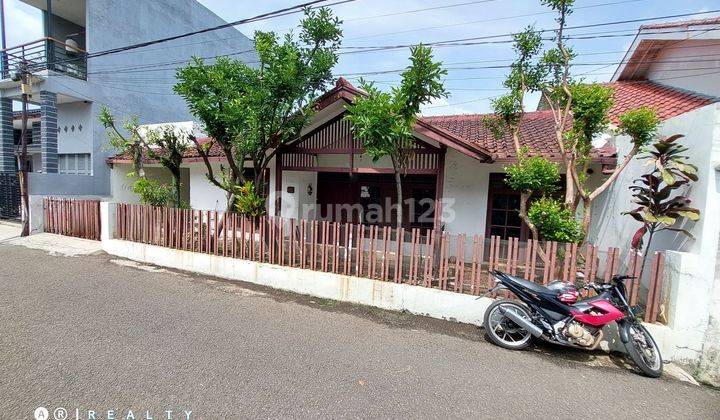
86 333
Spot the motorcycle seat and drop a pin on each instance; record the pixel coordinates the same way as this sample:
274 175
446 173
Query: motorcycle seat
537 288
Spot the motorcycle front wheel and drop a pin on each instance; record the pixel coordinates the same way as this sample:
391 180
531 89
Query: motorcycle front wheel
502 330
642 349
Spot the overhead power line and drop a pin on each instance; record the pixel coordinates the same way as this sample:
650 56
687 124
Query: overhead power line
511 34
156 66
406 12
474 22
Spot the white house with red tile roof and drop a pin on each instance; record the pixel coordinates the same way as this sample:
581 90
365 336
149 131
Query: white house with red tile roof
675 68
457 162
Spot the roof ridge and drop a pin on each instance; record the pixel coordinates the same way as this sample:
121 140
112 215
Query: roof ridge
668 87
475 115
688 22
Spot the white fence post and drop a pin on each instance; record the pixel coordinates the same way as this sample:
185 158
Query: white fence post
107 221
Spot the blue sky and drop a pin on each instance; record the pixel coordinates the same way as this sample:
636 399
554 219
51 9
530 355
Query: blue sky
470 89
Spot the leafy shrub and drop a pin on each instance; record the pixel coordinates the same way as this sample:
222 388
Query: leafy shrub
640 124
533 173
152 192
554 221
248 202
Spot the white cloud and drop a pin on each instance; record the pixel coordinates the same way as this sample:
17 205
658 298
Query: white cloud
23 23
442 107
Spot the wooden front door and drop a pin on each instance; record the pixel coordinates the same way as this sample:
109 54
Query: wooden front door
358 198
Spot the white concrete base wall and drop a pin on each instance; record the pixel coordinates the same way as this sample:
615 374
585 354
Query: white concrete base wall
399 297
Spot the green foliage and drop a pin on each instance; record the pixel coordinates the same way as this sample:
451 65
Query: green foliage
130 143
532 174
669 161
248 201
421 82
167 144
508 111
559 5
554 221
377 119
590 106
640 124
526 73
384 120
152 192
250 110
658 208
496 125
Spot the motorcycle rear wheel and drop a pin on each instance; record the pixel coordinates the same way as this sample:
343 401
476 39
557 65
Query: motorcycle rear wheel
501 330
642 349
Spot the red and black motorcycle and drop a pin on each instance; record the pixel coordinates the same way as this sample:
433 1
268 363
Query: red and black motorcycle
554 313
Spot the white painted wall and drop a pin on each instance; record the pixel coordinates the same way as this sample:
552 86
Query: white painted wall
206 196
685 75
121 185
465 193
203 194
293 204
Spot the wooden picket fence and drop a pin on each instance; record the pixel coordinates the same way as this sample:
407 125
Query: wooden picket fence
72 217
454 262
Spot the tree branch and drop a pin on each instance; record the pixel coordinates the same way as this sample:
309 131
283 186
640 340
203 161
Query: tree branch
604 186
210 174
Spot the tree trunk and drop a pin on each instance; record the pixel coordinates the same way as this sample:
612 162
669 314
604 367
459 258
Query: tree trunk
647 251
399 191
587 217
570 188
176 188
524 198
138 160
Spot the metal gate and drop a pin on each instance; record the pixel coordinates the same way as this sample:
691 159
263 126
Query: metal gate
9 195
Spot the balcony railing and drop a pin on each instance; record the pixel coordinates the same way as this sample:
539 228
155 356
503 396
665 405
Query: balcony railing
44 54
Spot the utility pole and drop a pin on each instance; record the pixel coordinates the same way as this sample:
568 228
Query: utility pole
26 89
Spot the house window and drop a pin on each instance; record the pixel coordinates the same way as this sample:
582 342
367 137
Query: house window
504 210
504 215
74 164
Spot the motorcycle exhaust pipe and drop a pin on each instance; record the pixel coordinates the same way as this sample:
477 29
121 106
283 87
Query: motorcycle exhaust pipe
519 320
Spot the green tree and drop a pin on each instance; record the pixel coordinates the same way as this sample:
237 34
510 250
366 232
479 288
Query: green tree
384 120
166 144
252 110
532 174
641 126
580 111
131 143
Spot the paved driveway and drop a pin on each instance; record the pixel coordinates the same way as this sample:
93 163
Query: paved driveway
93 333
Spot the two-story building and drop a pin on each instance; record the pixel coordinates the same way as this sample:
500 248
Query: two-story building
72 79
